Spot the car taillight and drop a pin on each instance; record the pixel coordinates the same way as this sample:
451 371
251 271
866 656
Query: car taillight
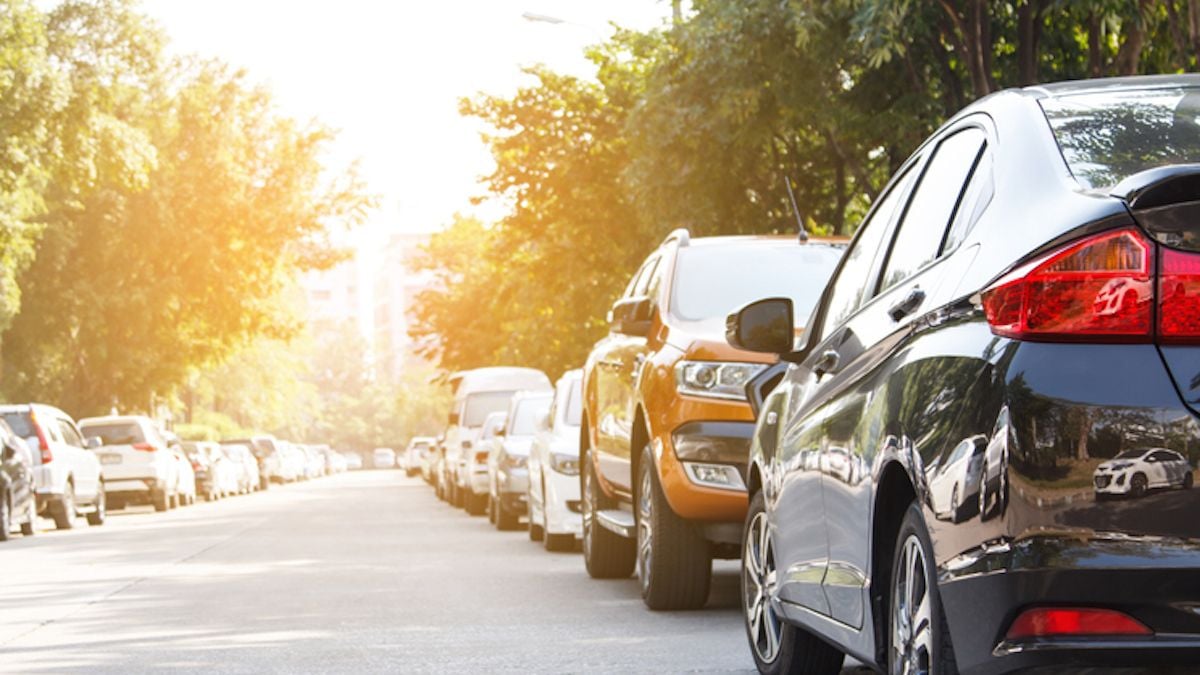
144 447
1043 622
481 457
43 442
1099 289
1179 297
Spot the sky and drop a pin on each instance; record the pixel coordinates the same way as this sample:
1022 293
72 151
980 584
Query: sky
388 74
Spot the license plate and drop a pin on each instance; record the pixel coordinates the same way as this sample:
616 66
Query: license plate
110 459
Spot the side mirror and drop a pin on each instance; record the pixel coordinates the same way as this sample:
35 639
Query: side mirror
631 316
93 443
763 326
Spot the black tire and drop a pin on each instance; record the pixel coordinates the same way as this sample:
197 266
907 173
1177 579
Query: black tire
794 650
491 509
557 543
160 500
536 532
506 520
936 658
1138 485
1188 480
460 497
674 560
99 512
62 510
30 525
476 504
5 515
607 555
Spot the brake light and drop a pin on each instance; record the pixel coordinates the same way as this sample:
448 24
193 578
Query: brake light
1100 288
43 442
1179 297
144 447
1073 621
481 458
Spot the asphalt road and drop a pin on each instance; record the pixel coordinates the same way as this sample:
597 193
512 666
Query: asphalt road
363 572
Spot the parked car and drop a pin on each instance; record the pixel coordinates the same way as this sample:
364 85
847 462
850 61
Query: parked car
353 461
334 461
265 449
508 458
666 425
66 470
18 496
139 466
383 458
491 435
293 462
1134 473
954 486
215 474
414 455
430 461
554 515
976 298
246 466
477 394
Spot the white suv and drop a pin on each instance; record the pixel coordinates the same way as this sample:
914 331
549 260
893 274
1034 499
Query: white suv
139 465
67 472
554 508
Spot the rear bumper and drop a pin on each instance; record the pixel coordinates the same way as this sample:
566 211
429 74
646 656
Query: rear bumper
1156 582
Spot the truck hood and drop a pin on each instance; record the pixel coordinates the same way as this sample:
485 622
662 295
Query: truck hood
705 341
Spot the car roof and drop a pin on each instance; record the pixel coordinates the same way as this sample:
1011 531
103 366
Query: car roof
114 418
765 240
497 378
1105 84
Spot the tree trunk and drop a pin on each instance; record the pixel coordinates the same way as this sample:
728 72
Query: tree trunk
1095 59
953 85
1129 55
1085 428
1027 39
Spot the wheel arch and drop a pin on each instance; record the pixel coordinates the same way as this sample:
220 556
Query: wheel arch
895 492
639 438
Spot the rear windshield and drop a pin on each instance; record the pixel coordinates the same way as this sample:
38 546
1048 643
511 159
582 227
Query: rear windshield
574 415
482 404
712 281
525 418
1107 137
20 423
120 433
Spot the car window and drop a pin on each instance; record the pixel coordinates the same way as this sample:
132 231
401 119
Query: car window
116 433
574 416
642 287
924 224
70 436
639 280
850 287
525 417
981 188
20 423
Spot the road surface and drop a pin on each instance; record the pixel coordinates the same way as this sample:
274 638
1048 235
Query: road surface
363 572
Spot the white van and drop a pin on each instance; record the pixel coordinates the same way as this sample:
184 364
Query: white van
477 394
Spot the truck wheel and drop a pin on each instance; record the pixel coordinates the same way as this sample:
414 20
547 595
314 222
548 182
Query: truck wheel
100 511
160 500
607 555
674 562
62 510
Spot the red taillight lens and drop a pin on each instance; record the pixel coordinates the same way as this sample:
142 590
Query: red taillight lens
1100 288
144 447
1072 621
481 458
43 442
1179 297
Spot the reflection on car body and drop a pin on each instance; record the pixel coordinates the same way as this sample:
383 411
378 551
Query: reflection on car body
1135 472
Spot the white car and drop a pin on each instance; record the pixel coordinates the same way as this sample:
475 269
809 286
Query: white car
1135 472
954 485
246 478
216 474
67 472
477 493
292 462
414 456
353 461
139 466
554 509
508 459
383 458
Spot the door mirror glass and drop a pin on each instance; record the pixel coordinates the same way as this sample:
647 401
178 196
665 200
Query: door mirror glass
763 326
631 316
93 443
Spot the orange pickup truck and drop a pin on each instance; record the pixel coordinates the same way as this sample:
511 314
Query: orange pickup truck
666 425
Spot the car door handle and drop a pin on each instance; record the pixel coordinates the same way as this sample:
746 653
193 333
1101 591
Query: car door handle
908 305
827 363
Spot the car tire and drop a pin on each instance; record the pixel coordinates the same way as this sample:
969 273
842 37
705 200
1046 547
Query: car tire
536 531
160 500
491 509
607 555
1188 480
1138 485
777 646
926 646
506 520
674 561
5 515
476 504
460 497
30 525
99 512
62 510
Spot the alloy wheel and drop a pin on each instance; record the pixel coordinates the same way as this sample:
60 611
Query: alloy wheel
758 587
645 528
912 629
589 511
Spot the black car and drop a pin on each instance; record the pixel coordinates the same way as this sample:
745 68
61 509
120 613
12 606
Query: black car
1029 281
18 501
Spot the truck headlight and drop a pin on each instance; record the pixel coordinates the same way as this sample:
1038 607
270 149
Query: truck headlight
715 379
564 463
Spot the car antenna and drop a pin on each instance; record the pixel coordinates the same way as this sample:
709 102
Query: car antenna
801 233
